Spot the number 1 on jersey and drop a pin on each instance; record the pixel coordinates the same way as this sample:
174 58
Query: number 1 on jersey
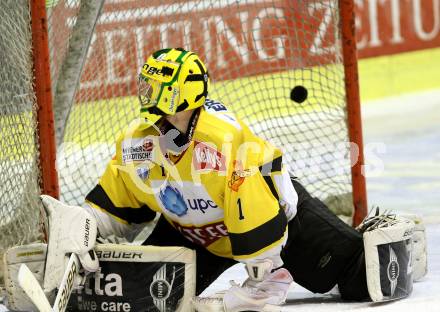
240 211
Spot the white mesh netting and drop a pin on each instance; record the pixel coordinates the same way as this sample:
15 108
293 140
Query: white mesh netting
19 172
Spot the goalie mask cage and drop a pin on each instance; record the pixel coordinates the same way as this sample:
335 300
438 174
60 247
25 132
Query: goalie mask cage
287 68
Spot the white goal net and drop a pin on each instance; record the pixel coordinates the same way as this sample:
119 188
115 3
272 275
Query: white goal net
19 170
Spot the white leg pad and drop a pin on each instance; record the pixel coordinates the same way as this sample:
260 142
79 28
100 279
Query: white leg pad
388 260
138 278
34 256
419 253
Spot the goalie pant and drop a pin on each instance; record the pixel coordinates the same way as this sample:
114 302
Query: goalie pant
321 251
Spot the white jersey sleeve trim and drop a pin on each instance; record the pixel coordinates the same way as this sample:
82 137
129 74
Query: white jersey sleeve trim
288 197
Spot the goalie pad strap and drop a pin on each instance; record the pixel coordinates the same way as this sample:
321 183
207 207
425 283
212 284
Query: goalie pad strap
388 260
419 252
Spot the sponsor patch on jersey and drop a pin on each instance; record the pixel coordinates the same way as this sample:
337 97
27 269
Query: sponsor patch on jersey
238 176
137 150
203 235
186 202
235 182
173 201
207 158
143 173
201 204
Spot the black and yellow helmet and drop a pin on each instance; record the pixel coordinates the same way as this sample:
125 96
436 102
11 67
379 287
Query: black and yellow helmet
172 80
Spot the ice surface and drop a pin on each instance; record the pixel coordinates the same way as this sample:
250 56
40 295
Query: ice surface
402 147
402 134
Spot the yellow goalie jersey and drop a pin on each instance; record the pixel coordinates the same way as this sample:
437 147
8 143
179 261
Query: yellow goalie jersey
227 191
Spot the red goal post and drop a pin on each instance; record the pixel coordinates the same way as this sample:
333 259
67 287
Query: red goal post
257 52
354 119
28 150
43 94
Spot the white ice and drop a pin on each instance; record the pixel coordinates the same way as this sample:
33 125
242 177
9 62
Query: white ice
402 148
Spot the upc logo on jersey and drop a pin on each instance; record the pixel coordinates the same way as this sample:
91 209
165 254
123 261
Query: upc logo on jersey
207 158
137 150
173 200
201 204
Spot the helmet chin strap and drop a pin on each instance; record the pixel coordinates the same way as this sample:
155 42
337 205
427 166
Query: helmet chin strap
177 141
184 105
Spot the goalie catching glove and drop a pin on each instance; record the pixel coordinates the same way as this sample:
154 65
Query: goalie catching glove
264 290
70 229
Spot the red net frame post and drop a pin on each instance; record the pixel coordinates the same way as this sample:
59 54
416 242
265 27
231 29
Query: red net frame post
354 120
43 93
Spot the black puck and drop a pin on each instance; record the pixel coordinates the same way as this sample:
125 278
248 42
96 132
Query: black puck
298 94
